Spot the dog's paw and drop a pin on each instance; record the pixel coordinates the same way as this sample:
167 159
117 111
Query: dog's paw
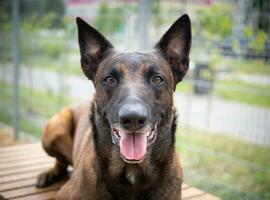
45 179
48 178
2 198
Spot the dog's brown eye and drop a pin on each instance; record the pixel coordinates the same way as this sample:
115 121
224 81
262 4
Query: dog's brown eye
109 80
157 80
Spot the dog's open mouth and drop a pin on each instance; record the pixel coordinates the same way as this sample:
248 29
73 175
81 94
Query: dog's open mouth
133 145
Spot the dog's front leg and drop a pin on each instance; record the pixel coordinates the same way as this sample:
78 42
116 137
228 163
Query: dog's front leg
57 142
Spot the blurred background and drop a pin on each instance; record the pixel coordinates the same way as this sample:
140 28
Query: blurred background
223 103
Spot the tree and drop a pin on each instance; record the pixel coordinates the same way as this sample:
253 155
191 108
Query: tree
263 9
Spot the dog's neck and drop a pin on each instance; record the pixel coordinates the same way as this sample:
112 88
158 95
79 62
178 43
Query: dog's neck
118 172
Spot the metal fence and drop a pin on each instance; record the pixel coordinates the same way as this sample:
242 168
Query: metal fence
223 103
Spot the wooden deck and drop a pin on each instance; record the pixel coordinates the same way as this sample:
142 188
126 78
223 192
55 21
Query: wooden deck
20 165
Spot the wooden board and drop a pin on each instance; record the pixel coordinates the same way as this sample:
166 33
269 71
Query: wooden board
20 166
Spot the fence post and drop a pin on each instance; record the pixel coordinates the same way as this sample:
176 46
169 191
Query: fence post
144 10
16 61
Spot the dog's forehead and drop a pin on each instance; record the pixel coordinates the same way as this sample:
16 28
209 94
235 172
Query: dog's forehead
134 61
134 58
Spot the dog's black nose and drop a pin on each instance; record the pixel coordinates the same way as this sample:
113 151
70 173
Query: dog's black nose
132 117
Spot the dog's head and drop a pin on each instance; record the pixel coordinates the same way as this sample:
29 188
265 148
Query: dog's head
134 91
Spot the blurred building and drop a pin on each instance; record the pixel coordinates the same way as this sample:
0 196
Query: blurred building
84 8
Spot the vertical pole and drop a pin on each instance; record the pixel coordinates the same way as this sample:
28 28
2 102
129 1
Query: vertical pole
144 11
16 60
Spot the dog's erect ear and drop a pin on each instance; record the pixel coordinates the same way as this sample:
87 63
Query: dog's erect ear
175 46
94 47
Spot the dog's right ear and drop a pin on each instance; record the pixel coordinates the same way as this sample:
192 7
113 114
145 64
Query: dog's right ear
175 45
94 47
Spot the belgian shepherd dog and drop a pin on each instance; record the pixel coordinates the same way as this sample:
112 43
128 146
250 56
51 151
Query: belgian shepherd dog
121 143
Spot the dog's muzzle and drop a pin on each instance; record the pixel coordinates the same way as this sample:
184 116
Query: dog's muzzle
133 132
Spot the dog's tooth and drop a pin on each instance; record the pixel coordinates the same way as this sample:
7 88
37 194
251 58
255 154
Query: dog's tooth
152 134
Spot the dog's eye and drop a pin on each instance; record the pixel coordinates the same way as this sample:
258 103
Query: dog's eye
157 80
109 80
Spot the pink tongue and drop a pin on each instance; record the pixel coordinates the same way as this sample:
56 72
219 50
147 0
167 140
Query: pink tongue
133 145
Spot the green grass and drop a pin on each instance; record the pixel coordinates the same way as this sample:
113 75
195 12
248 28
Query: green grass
224 166
244 92
34 105
56 65
238 91
183 87
246 66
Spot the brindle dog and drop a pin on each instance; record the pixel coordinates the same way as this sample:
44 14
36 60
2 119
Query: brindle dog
126 148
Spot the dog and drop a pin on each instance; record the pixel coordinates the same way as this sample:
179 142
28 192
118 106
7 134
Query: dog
121 143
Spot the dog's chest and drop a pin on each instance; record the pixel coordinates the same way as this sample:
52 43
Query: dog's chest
132 175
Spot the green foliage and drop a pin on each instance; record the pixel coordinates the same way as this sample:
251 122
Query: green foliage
258 42
262 20
110 19
39 40
38 18
40 9
5 41
216 22
156 12
35 23
53 48
248 32
33 103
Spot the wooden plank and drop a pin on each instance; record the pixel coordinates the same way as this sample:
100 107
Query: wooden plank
18 184
17 177
20 153
25 169
16 157
25 191
189 192
192 193
20 147
208 196
21 161
24 163
185 186
40 196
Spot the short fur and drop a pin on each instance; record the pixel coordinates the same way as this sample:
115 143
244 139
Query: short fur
81 135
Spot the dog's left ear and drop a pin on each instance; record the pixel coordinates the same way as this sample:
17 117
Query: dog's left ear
175 46
94 47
